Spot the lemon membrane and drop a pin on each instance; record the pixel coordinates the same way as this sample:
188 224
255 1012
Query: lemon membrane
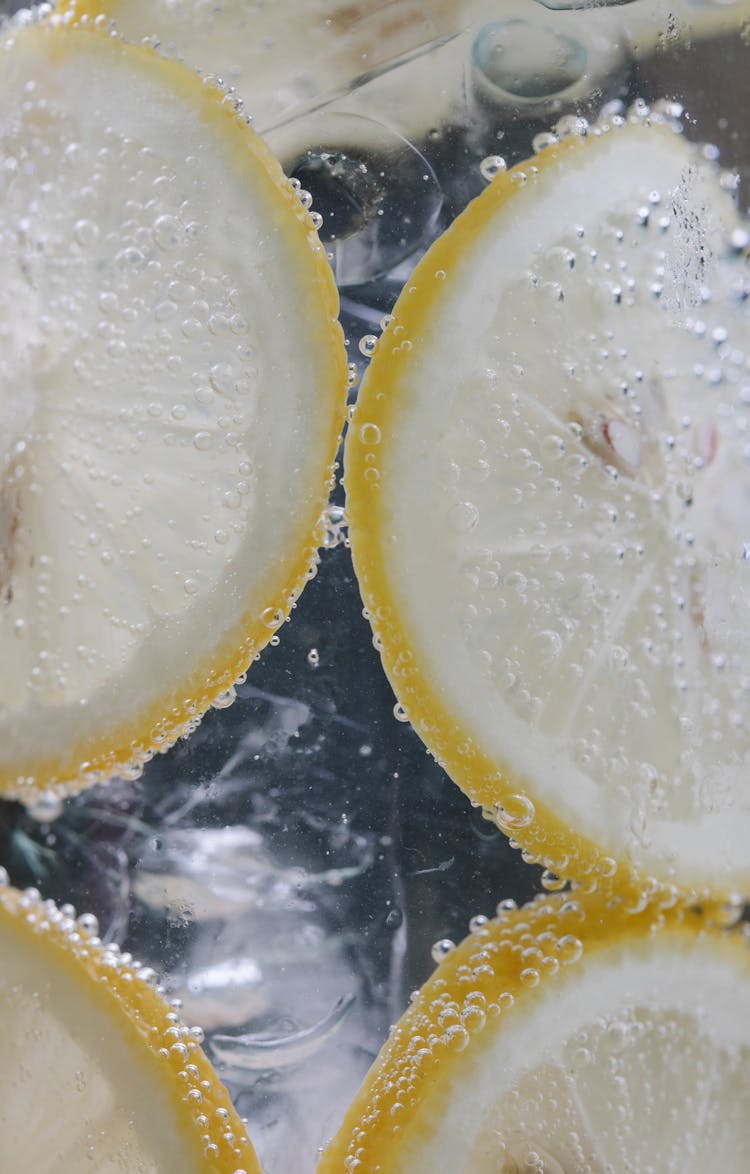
548 490
564 1036
98 1070
172 389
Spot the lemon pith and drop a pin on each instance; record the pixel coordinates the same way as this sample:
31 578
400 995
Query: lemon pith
170 433
96 1066
458 504
549 1030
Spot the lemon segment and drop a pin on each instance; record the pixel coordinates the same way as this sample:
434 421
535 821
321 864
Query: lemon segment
547 486
565 1036
172 389
98 1071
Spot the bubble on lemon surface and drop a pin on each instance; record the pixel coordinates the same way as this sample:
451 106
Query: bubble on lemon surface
491 166
515 813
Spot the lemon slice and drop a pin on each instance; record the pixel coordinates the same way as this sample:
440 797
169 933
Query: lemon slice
99 1073
565 1037
172 387
286 57
548 489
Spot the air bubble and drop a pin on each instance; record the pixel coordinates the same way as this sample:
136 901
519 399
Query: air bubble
369 434
553 447
571 125
457 1038
394 918
272 617
167 233
86 232
492 166
541 141
503 908
441 949
46 808
225 699
569 948
515 813
552 882
463 517
368 345
729 912
222 380
89 923
473 1018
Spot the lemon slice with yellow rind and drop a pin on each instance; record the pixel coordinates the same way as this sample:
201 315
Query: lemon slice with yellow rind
564 1037
548 490
172 389
98 1071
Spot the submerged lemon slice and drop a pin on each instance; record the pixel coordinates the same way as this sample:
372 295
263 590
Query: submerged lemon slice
549 492
98 1072
172 388
288 57
565 1037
